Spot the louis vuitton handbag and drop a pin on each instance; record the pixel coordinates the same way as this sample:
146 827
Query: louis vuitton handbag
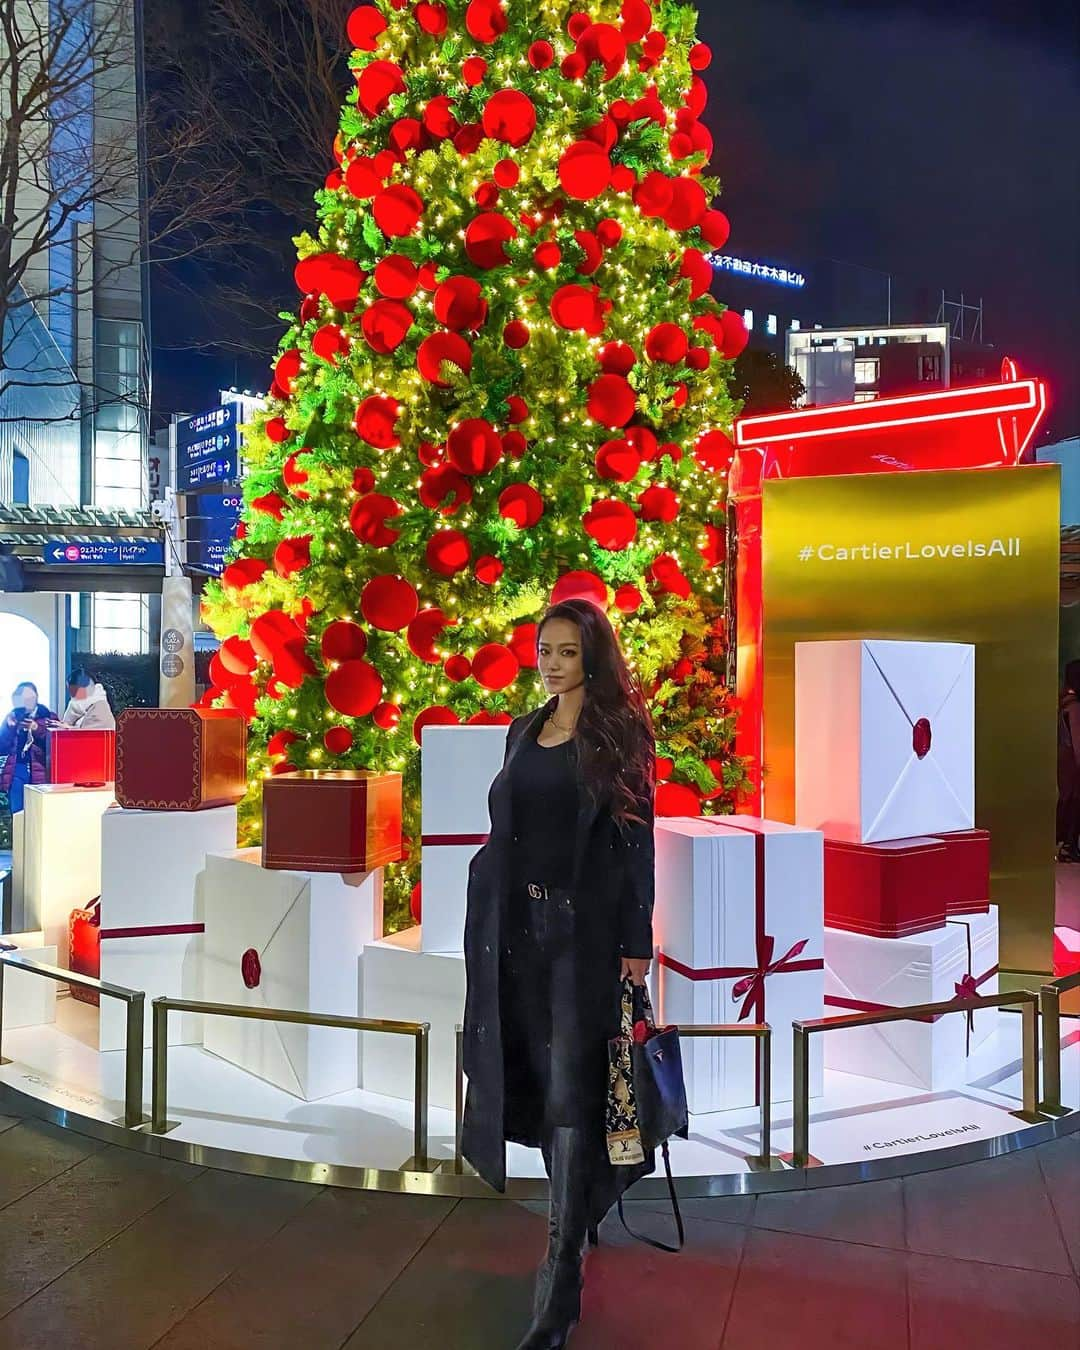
646 1095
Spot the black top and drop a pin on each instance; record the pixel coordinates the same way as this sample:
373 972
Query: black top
543 784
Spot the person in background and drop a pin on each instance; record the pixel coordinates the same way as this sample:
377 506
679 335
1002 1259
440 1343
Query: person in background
1068 771
23 741
89 706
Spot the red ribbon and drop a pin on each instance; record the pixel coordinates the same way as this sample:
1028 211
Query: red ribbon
968 986
165 930
435 840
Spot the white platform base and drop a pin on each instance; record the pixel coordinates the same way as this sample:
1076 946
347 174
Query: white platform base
18 908
29 1000
219 1105
403 983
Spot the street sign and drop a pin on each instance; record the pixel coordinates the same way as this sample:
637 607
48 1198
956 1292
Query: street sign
208 448
210 519
121 553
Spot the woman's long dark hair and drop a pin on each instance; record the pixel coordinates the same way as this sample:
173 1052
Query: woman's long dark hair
616 749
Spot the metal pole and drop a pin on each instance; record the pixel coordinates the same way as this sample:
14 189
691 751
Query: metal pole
160 1071
2 1059
1050 1008
765 1079
459 1095
1030 1032
133 1061
420 1123
800 1143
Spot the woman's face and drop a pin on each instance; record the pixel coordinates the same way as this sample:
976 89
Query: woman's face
26 698
559 653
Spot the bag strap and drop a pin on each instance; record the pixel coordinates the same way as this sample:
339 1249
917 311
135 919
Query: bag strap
654 1242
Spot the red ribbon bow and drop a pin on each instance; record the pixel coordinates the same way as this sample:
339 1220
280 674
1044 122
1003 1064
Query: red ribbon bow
968 987
751 988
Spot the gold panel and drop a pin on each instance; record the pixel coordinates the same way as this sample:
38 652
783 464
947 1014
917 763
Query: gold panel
956 556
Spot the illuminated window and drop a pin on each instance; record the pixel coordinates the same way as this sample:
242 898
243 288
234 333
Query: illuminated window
748 319
865 396
866 372
795 325
770 325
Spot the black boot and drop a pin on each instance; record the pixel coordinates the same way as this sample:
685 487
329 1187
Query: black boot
557 1302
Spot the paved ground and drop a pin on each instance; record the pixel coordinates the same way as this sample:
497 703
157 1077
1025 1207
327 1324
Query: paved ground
101 1247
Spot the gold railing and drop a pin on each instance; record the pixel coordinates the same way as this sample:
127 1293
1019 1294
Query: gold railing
802 1032
1050 1012
135 1000
762 1161
419 1031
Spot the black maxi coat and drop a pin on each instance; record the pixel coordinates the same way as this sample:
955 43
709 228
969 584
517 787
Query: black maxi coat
613 885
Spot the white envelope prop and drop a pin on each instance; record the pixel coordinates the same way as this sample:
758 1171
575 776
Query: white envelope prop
288 940
884 738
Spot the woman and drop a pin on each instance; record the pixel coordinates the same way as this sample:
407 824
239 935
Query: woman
23 739
88 708
559 912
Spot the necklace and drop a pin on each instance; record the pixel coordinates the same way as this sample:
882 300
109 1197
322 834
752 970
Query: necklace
569 731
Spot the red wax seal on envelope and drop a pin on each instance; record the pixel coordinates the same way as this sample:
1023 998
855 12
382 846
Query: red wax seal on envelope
921 737
251 968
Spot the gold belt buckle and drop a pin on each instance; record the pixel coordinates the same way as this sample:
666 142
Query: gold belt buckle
537 892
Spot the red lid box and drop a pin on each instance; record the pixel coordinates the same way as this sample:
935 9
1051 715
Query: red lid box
180 759
892 889
968 867
84 949
342 821
77 756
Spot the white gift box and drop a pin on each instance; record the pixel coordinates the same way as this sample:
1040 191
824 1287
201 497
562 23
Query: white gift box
403 983
869 974
61 856
457 767
884 738
287 940
29 1000
152 912
739 924
18 914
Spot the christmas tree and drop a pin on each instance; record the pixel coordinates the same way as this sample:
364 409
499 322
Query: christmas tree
506 383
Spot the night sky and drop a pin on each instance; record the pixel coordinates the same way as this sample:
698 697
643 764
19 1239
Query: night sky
937 142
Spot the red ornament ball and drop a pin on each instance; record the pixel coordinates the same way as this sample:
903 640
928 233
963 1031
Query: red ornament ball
457 668
433 19
715 228
363 480
698 271
376 421
397 210
579 309
486 237
700 57
389 603
688 204
548 255
343 641
514 445
416 904
623 178
460 304
338 740
523 645
386 716
628 598
474 446
368 518
735 334
329 343
591 247
612 402
385 325
439 119
612 524
448 552
516 334
270 505
445 488
506 173
396 277
287 369
423 631
668 343
435 715
585 171
522 504
580 586
577 24
665 767
509 116
636 18
486 195
377 84
676 799
279 743
517 410
541 55
292 555
365 25
440 349
603 44
488 569
714 548
609 232
653 195
618 461
495 666
237 656
354 688
485 20
574 66
659 503
617 358
473 71
243 572
277 430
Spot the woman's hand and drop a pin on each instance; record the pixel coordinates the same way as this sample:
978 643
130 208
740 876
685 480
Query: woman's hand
636 967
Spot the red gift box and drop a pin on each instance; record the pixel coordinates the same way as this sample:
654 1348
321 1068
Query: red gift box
968 866
180 759
891 889
346 821
82 756
84 949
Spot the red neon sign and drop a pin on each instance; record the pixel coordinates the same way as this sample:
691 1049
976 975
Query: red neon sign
980 427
